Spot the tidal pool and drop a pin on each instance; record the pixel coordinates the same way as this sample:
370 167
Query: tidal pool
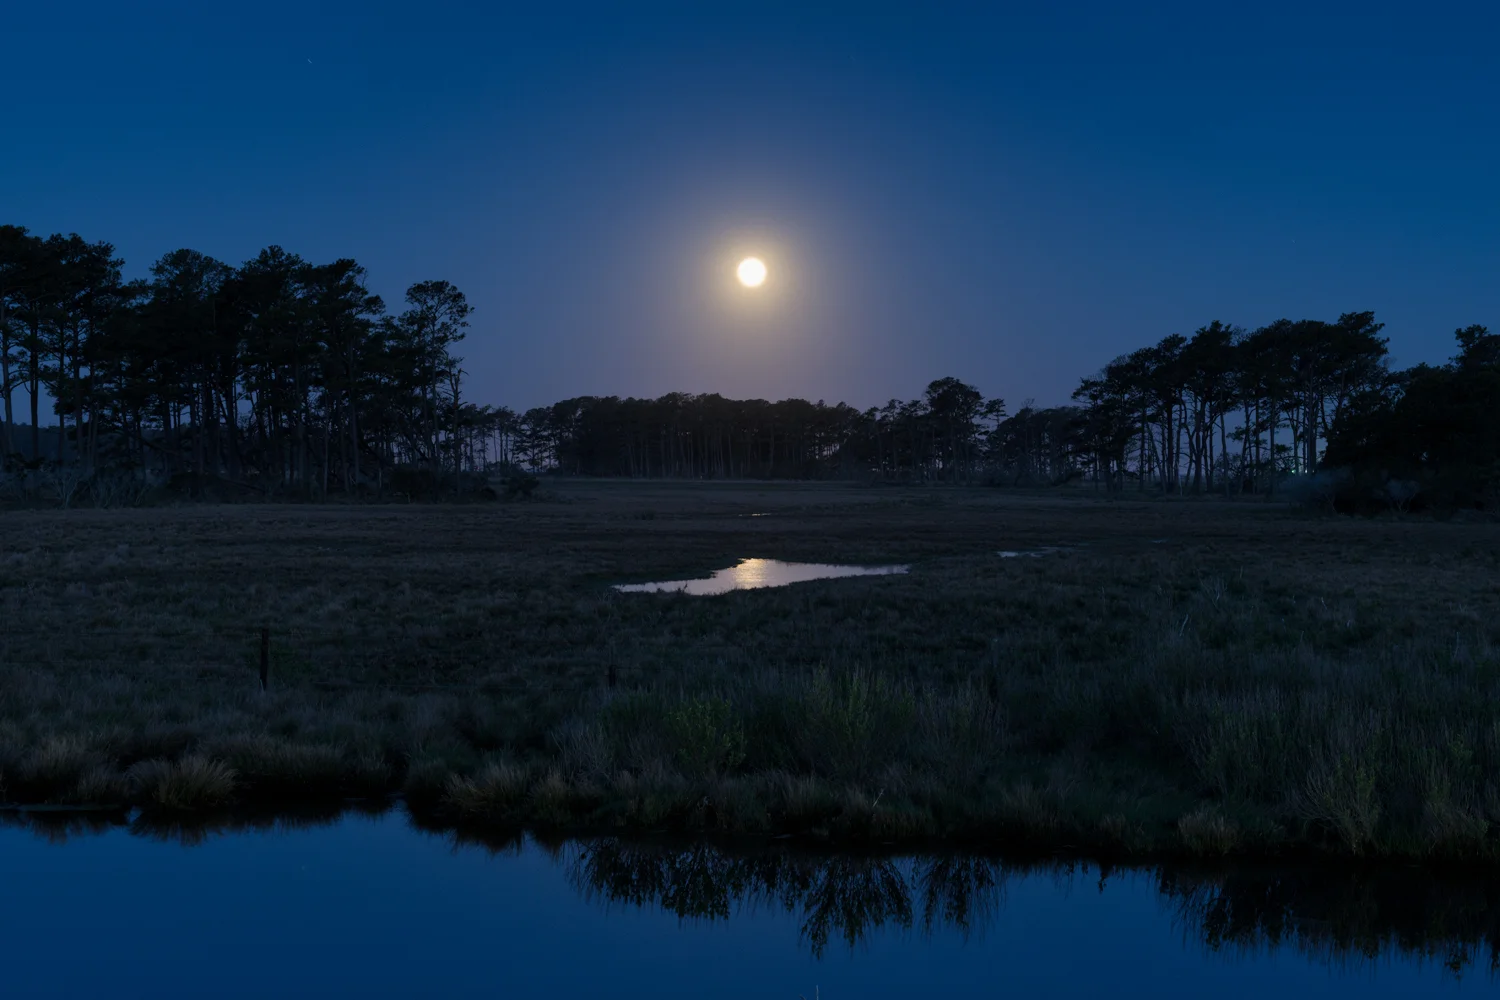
370 906
751 574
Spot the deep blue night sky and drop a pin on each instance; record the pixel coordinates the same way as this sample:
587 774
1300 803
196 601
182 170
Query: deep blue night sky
1010 198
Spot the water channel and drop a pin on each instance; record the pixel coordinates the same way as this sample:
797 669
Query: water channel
371 906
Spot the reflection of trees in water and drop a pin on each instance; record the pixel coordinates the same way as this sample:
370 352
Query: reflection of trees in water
1340 916
959 892
1329 914
842 896
1334 915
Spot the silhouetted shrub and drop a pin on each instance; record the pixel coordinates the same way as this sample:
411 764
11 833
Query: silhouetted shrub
520 485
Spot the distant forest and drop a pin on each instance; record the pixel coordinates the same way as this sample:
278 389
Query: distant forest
288 378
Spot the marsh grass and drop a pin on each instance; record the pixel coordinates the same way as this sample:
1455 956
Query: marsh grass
496 792
1192 678
1207 831
193 782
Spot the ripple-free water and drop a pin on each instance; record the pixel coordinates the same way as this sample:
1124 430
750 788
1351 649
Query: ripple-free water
751 574
371 907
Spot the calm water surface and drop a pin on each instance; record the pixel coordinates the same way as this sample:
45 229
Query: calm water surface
751 574
371 907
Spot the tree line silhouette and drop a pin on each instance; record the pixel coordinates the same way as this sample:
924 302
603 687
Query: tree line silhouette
291 378
280 374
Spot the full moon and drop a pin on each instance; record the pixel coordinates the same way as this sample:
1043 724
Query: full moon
752 272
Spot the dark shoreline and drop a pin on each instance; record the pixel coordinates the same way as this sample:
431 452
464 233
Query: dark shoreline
194 825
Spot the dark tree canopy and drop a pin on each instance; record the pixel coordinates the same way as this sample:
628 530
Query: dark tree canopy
279 375
1429 436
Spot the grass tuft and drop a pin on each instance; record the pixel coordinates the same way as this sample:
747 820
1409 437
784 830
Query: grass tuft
55 768
192 783
102 786
493 793
1206 831
281 767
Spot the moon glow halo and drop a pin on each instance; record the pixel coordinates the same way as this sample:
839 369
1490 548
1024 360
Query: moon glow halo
751 272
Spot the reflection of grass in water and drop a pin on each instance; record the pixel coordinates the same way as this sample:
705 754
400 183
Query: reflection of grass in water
59 825
1265 684
1341 916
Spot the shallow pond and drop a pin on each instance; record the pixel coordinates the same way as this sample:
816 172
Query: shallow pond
750 574
369 906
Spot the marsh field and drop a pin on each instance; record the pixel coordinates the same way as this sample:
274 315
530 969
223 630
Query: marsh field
1162 678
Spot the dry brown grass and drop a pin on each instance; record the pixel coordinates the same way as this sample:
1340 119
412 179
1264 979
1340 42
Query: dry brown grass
1328 682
